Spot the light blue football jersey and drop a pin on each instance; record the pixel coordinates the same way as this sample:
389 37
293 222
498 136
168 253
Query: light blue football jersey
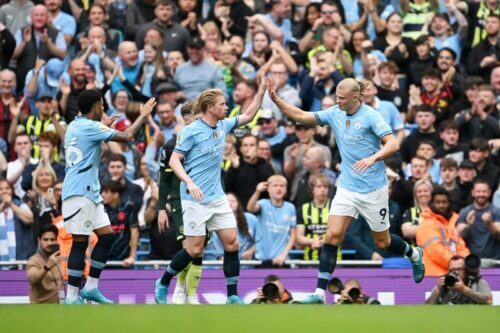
358 136
203 148
273 230
83 146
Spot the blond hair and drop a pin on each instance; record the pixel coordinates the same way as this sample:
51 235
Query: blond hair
319 177
42 166
206 99
356 86
277 179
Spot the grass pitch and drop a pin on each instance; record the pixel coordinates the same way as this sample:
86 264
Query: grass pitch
248 318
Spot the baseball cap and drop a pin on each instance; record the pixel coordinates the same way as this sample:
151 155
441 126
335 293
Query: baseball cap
267 114
196 42
467 164
54 69
44 95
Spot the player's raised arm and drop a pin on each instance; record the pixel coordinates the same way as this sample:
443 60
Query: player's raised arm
178 168
252 109
129 133
289 110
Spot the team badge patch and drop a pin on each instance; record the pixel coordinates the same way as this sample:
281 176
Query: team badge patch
357 125
216 135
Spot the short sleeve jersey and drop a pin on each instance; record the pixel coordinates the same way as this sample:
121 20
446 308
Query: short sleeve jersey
358 136
83 146
203 148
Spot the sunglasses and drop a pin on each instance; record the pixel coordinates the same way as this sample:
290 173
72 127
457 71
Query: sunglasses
302 128
264 121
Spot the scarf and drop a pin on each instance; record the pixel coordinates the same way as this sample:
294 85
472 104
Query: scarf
7 236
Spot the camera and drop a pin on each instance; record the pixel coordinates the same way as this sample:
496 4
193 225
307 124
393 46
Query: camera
450 279
335 286
472 266
270 291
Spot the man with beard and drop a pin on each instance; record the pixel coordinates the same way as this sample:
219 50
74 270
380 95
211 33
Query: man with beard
486 55
176 37
68 94
450 74
243 95
482 118
237 44
438 235
244 175
479 223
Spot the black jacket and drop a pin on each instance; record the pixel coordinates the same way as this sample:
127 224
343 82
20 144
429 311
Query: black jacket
477 54
243 180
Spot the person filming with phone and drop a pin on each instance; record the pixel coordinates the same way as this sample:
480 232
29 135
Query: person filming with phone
43 271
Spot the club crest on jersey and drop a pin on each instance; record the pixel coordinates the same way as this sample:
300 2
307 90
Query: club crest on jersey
347 123
216 135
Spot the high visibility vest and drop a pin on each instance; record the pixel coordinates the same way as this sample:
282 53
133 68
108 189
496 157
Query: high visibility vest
315 217
414 20
34 127
480 31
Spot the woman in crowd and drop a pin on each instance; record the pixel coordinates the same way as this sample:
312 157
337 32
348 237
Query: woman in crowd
411 218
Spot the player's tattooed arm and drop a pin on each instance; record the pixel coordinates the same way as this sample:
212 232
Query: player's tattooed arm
252 109
129 133
289 110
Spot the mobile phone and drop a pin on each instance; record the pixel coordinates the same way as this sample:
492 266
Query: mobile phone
50 190
54 247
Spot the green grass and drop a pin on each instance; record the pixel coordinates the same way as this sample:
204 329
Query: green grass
249 318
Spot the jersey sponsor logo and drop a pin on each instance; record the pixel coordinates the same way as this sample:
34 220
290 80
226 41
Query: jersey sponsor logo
214 150
350 138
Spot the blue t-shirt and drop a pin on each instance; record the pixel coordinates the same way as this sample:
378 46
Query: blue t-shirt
453 42
391 114
479 239
285 27
83 145
358 136
203 148
273 230
65 23
215 249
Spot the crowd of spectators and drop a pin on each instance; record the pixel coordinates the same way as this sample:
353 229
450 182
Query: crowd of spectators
432 69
